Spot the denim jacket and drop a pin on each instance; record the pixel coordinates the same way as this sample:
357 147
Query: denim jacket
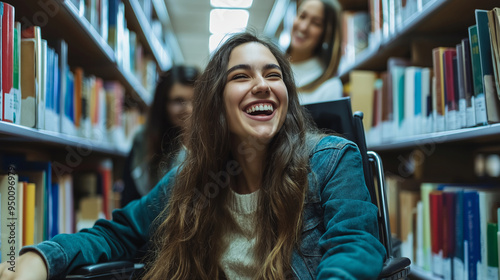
339 238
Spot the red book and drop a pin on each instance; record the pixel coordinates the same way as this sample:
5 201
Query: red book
436 213
7 61
449 79
448 224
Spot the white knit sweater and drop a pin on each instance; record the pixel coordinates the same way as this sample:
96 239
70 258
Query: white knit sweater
238 261
309 70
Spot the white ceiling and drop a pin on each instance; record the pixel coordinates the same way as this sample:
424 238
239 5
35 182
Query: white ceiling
190 22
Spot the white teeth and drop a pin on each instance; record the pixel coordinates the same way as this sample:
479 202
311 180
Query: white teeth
260 107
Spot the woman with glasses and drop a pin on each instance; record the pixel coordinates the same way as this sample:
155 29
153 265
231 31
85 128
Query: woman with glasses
157 146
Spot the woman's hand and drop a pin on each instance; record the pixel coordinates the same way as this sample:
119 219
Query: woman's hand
29 266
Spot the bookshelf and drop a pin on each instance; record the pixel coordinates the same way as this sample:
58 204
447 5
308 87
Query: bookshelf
473 135
19 136
137 19
438 18
424 167
92 153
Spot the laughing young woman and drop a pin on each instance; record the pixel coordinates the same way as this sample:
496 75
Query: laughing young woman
261 195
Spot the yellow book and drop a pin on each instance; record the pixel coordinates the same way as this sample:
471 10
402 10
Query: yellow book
29 214
362 90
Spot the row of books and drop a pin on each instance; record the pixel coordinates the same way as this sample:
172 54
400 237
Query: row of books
40 90
366 30
38 202
458 90
107 17
448 230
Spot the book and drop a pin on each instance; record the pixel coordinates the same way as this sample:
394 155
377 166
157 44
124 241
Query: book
459 256
492 245
472 234
425 190
494 28
10 98
408 200
408 98
29 86
61 48
489 201
460 86
34 33
449 234
487 75
451 102
362 88
29 214
436 222
38 179
21 165
468 83
479 98
439 95
16 75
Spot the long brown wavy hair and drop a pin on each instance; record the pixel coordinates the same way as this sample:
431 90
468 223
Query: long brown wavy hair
188 242
329 49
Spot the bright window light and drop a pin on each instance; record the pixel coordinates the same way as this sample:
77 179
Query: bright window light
231 3
228 21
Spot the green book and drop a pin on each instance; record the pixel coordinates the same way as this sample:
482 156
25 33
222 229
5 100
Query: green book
492 244
477 77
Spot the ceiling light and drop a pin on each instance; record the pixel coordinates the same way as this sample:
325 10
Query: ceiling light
231 3
215 40
228 21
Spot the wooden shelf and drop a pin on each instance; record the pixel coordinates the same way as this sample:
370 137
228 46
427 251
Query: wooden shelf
86 48
138 20
481 134
24 135
438 17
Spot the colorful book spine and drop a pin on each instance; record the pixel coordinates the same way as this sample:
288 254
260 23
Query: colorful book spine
451 103
479 98
487 75
468 83
436 218
8 63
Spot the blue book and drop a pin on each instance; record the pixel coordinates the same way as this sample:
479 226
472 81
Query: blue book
472 232
54 210
418 91
459 259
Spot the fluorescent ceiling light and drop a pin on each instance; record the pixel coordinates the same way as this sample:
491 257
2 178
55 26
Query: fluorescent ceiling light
228 20
231 3
216 39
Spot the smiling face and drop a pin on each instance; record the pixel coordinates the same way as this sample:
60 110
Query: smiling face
255 96
307 30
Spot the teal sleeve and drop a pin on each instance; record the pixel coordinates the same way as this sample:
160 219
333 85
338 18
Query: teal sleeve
350 243
108 240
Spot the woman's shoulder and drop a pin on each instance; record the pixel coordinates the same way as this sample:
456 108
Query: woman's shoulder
328 142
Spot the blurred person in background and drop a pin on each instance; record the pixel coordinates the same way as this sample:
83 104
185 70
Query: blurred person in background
315 50
157 146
